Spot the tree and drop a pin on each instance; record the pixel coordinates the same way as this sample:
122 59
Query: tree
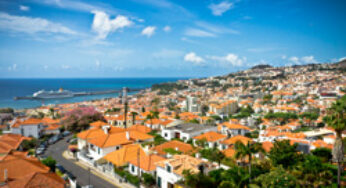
276 178
134 114
152 115
198 180
50 162
148 179
324 154
217 156
311 171
205 109
283 153
247 150
29 144
336 120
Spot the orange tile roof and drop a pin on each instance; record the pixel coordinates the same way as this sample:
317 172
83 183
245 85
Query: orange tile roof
10 142
181 146
267 146
98 124
210 136
229 152
109 140
235 126
180 163
321 143
97 132
25 171
147 162
140 128
124 155
235 139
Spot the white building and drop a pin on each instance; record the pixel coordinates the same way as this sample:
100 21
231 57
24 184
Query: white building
186 131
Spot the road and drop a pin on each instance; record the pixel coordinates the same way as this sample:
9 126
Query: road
82 175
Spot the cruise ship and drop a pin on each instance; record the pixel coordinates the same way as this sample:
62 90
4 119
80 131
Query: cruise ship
42 94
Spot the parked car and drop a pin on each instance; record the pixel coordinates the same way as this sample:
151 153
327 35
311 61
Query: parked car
66 133
53 139
39 151
61 168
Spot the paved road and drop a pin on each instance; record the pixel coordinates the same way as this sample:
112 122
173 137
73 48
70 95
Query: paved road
80 173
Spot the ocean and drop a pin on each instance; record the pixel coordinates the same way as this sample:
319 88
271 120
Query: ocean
10 88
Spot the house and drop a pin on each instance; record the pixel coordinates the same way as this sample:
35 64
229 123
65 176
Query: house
231 141
31 127
170 171
124 155
212 138
173 144
9 142
18 170
186 131
233 129
144 164
98 142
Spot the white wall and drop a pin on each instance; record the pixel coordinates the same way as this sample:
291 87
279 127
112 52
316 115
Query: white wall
166 177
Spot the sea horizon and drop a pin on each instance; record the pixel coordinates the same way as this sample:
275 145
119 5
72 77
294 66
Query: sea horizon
15 87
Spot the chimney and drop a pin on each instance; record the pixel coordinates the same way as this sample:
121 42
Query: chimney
5 175
105 129
127 135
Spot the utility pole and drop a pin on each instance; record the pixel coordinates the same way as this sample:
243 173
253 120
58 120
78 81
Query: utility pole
124 100
139 165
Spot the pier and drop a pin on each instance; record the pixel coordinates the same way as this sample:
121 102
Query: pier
83 93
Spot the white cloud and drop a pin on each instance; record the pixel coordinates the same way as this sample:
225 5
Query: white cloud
219 9
97 63
65 66
343 58
149 31
294 60
103 25
198 33
309 60
283 57
24 8
192 57
31 25
12 67
216 28
167 28
230 58
45 67
303 60
167 53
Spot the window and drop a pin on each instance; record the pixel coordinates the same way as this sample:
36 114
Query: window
201 169
166 135
168 168
132 168
159 181
98 150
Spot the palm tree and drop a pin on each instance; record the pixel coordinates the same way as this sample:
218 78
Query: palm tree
152 115
134 114
243 150
335 119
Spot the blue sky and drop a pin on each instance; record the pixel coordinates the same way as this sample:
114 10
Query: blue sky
165 38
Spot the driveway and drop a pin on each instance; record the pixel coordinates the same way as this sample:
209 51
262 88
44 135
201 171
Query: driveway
82 175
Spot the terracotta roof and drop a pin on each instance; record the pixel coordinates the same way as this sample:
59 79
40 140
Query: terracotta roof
267 146
147 162
124 155
210 136
180 163
181 146
235 126
235 139
25 171
11 142
229 152
98 124
97 132
140 128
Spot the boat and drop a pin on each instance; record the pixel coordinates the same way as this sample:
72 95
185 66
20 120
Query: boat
42 94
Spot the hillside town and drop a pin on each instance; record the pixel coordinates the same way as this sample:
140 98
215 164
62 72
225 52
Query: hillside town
262 127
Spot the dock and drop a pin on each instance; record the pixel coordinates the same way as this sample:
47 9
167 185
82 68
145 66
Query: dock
83 93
